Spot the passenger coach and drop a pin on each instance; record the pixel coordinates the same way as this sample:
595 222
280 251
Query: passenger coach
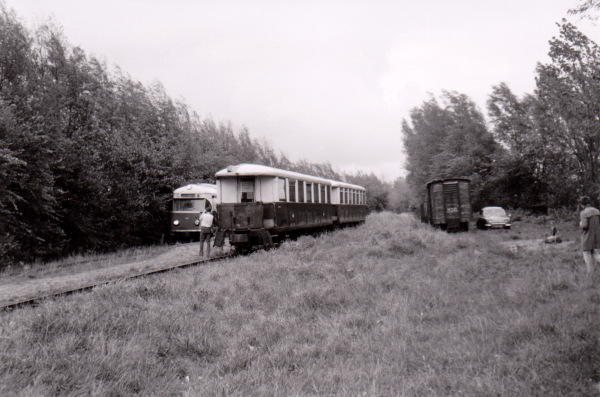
260 204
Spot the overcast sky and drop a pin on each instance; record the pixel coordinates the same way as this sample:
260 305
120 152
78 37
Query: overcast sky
321 80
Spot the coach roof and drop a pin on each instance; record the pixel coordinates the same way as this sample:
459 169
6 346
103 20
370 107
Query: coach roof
347 185
263 170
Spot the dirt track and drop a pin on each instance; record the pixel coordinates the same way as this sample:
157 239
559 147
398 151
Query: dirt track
15 292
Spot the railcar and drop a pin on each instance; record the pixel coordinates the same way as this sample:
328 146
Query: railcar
188 202
260 205
448 204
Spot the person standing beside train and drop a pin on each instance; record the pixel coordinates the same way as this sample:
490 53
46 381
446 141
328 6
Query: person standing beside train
206 224
589 222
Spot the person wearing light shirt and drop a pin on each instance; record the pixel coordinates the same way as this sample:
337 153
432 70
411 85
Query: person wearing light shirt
206 223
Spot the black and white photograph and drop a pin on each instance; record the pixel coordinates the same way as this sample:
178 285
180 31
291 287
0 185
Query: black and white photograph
299 198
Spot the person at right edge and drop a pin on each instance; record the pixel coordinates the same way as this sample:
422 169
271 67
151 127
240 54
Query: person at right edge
589 222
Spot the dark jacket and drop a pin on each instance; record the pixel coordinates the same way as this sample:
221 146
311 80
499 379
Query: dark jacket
590 226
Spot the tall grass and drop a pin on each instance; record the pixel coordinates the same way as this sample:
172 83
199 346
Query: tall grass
392 307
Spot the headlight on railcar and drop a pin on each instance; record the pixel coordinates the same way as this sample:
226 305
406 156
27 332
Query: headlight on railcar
176 222
196 222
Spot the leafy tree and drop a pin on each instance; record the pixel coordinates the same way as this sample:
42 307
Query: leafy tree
447 142
568 90
552 135
377 190
401 197
586 8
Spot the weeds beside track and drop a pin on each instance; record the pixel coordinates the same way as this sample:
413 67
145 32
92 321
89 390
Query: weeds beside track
32 291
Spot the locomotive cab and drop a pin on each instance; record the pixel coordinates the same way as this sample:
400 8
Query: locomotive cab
245 212
188 202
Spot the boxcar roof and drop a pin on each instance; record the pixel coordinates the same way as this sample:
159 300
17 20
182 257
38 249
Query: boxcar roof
449 180
263 170
197 188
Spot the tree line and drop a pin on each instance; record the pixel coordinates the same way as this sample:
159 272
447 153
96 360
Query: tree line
536 152
89 157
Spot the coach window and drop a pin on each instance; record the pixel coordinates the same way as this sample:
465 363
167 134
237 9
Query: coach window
341 195
300 191
328 194
292 183
323 198
281 189
309 198
247 185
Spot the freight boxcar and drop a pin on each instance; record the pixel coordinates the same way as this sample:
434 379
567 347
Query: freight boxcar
448 204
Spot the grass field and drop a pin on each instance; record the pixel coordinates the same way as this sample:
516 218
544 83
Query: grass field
390 308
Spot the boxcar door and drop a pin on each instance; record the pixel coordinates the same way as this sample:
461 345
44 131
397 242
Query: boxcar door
452 202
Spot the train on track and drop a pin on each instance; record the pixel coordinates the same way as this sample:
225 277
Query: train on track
188 203
448 204
259 205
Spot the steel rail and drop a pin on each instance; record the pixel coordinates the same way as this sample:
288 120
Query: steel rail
34 300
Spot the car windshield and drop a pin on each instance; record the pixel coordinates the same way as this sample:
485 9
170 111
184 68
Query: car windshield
494 211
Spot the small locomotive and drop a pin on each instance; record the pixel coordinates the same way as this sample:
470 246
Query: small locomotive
188 202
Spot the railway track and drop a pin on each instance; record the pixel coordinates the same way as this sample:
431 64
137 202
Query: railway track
31 292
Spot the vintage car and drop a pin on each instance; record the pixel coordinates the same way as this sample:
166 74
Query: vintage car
493 218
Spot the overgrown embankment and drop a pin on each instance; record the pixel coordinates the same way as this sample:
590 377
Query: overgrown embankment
392 307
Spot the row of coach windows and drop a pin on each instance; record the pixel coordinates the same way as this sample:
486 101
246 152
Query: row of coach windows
296 191
352 196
